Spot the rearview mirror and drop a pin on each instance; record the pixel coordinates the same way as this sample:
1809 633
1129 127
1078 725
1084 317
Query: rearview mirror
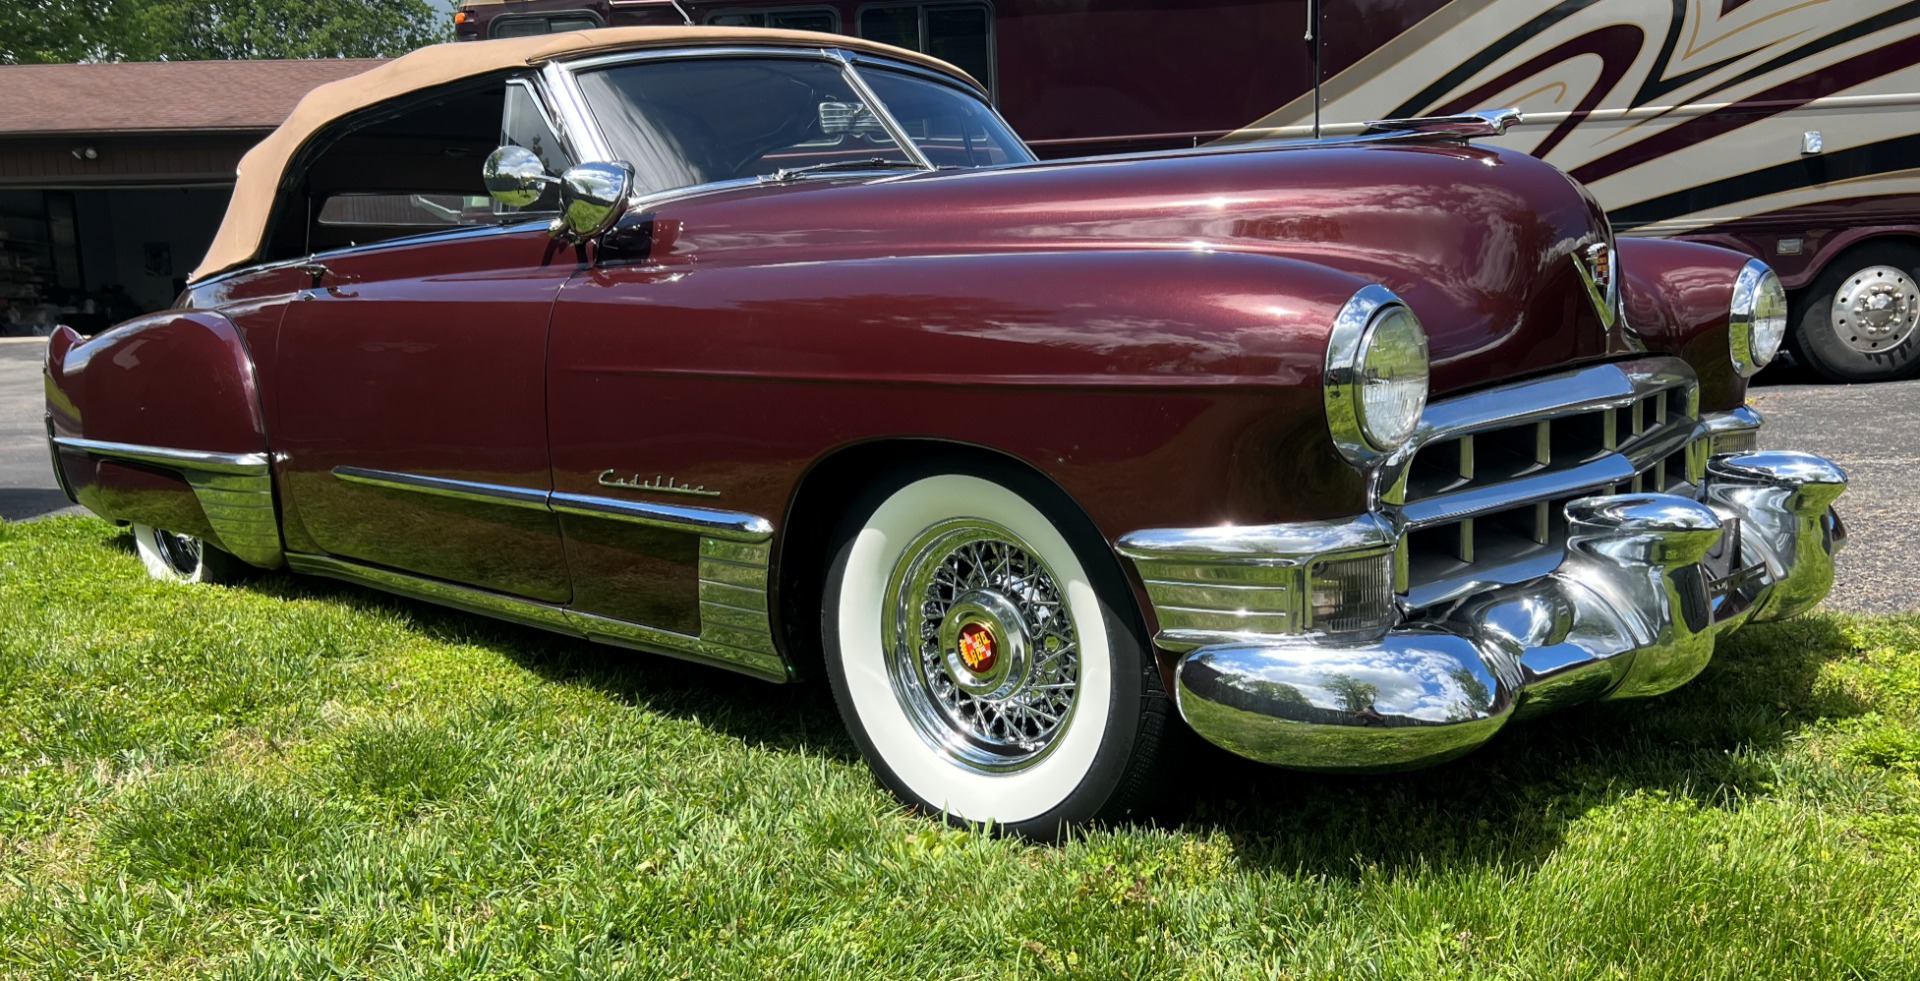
515 176
593 197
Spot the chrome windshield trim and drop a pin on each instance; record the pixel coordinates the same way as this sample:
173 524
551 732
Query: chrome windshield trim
465 490
245 464
881 112
712 522
571 105
877 61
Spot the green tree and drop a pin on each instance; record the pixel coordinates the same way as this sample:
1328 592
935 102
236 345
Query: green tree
1355 695
37 31
189 30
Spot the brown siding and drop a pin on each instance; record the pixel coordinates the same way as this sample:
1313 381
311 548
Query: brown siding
187 158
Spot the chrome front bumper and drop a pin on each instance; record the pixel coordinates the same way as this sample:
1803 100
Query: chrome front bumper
1648 582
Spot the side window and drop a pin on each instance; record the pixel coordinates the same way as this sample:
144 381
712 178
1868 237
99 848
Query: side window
408 166
525 123
958 33
823 19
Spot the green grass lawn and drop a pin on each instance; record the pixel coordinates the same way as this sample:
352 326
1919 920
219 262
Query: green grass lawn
304 779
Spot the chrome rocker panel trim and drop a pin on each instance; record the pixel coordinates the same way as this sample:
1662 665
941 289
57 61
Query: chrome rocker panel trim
1647 584
736 552
235 491
704 649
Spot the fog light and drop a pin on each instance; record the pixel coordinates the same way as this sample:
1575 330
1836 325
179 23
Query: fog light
1351 595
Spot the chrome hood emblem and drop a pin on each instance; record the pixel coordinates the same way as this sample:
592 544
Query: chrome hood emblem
1599 272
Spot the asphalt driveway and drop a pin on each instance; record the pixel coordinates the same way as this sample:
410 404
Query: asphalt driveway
1872 430
27 487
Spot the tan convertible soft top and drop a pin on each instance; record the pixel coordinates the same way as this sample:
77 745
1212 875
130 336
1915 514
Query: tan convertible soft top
244 228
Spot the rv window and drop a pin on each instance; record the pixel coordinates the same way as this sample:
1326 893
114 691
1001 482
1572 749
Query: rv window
960 33
528 26
823 19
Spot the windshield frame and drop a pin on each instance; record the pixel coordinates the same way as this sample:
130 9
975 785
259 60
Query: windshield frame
579 128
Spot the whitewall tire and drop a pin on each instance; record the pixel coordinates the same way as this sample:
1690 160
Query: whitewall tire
986 660
184 558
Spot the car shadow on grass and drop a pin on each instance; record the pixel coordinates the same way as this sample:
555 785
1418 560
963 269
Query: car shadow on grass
758 713
1511 801
1508 803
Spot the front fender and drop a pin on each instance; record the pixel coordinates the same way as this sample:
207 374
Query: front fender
158 422
1156 387
1677 297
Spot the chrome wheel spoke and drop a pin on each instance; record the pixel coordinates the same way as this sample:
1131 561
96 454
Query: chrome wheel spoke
1007 709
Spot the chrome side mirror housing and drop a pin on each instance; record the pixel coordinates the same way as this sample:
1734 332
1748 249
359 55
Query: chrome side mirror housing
593 198
515 177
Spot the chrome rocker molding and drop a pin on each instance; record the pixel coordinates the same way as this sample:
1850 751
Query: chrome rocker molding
547 616
235 491
736 552
1646 585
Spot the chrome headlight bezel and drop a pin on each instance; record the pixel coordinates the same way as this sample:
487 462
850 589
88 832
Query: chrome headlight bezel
1756 318
1350 351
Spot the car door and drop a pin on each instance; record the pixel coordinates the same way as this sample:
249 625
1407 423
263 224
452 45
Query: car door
410 419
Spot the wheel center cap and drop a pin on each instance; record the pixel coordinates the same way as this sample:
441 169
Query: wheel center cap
984 639
978 648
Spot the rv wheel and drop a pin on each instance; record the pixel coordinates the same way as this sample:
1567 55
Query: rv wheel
1857 321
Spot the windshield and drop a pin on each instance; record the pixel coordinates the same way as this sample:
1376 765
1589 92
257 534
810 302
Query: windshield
689 121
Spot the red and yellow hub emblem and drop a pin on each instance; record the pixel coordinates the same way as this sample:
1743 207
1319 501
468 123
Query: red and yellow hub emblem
978 648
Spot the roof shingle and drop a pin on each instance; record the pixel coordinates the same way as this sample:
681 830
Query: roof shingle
161 95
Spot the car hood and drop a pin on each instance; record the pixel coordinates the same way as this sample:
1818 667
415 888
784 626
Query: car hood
1480 242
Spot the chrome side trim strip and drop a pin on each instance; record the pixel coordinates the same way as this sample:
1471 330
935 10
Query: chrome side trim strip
465 490
235 491
712 522
249 464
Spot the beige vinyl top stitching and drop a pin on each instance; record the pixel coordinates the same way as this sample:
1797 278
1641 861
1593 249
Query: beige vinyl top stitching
257 182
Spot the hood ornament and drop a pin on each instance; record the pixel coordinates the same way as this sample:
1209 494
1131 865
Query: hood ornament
1598 271
659 484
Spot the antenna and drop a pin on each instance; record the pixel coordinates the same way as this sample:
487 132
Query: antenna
683 12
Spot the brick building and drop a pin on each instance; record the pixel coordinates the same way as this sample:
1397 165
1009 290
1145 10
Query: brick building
113 177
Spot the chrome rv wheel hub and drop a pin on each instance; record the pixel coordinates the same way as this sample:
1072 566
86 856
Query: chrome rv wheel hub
1876 309
984 656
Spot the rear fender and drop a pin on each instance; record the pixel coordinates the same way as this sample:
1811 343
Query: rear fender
158 422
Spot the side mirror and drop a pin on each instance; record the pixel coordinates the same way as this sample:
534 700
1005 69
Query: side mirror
515 176
593 197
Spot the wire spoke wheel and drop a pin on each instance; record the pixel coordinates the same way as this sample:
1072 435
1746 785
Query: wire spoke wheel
182 554
984 659
977 653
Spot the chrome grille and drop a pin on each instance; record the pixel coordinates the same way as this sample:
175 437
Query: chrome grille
1481 490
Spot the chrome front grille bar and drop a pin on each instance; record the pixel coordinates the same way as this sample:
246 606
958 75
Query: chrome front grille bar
1477 494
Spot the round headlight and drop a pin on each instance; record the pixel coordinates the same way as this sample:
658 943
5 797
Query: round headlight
1376 380
1757 322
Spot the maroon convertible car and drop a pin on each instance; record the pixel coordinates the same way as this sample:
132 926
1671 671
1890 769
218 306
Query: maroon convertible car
778 351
